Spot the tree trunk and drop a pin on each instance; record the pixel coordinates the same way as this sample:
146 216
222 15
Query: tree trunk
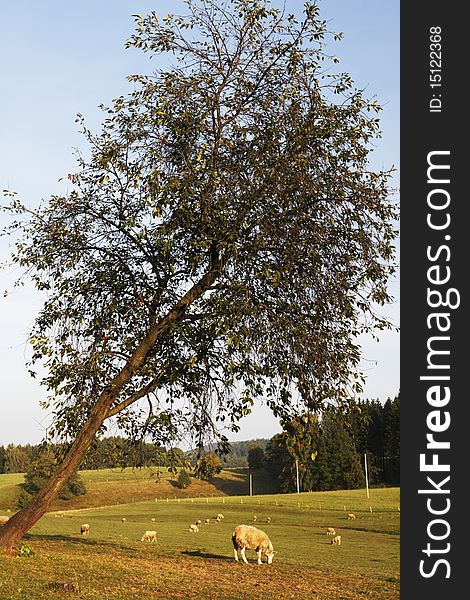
23 520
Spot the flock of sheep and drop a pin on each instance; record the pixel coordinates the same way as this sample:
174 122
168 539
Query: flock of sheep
243 537
331 531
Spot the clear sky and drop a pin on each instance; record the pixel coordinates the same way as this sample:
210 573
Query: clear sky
59 58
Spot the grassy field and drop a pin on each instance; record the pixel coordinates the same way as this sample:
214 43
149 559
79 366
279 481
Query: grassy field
116 486
112 563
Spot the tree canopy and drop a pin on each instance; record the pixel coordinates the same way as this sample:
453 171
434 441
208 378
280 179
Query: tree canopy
225 240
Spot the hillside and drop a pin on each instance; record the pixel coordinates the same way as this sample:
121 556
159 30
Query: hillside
115 486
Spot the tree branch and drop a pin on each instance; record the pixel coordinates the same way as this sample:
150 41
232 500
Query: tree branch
147 389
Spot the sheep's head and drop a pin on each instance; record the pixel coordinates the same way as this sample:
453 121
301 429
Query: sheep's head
269 553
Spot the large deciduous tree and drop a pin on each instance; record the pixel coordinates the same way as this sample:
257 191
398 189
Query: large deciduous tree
225 240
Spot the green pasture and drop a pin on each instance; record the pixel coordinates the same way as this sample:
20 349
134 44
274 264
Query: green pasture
113 563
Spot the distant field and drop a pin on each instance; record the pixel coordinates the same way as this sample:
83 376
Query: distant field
116 486
113 564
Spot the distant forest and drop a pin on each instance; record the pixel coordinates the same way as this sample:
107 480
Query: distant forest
326 453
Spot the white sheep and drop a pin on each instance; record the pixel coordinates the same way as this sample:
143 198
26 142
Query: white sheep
330 531
220 516
85 529
193 528
3 520
207 521
152 520
123 520
199 522
254 518
336 540
149 536
268 520
59 513
247 536
351 516
218 520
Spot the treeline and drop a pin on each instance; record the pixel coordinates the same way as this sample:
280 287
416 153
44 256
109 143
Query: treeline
117 452
238 455
325 454
107 453
328 453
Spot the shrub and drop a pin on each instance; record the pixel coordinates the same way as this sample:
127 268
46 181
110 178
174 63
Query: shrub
41 469
184 480
23 499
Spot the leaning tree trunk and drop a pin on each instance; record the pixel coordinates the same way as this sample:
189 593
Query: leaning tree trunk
23 520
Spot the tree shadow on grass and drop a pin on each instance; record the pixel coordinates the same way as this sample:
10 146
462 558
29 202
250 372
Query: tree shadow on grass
47 537
200 554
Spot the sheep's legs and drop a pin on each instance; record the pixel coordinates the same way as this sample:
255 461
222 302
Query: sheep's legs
242 552
259 556
235 552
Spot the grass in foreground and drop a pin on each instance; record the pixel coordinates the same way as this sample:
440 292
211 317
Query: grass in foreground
113 564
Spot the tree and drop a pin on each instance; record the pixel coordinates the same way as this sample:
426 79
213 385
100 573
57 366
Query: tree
184 480
338 464
255 457
301 439
277 459
3 454
226 240
17 459
207 467
40 471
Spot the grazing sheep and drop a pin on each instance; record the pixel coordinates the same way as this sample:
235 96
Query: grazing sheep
207 521
59 513
85 529
123 520
193 528
3 520
199 522
351 516
336 540
220 516
149 536
330 531
268 520
254 518
218 520
246 536
152 520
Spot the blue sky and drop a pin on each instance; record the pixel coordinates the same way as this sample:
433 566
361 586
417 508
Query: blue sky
59 58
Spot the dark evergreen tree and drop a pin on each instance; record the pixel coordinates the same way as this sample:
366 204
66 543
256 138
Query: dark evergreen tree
255 457
17 458
391 458
2 459
338 464
276 457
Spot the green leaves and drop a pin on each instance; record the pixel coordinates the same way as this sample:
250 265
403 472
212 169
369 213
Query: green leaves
229 205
